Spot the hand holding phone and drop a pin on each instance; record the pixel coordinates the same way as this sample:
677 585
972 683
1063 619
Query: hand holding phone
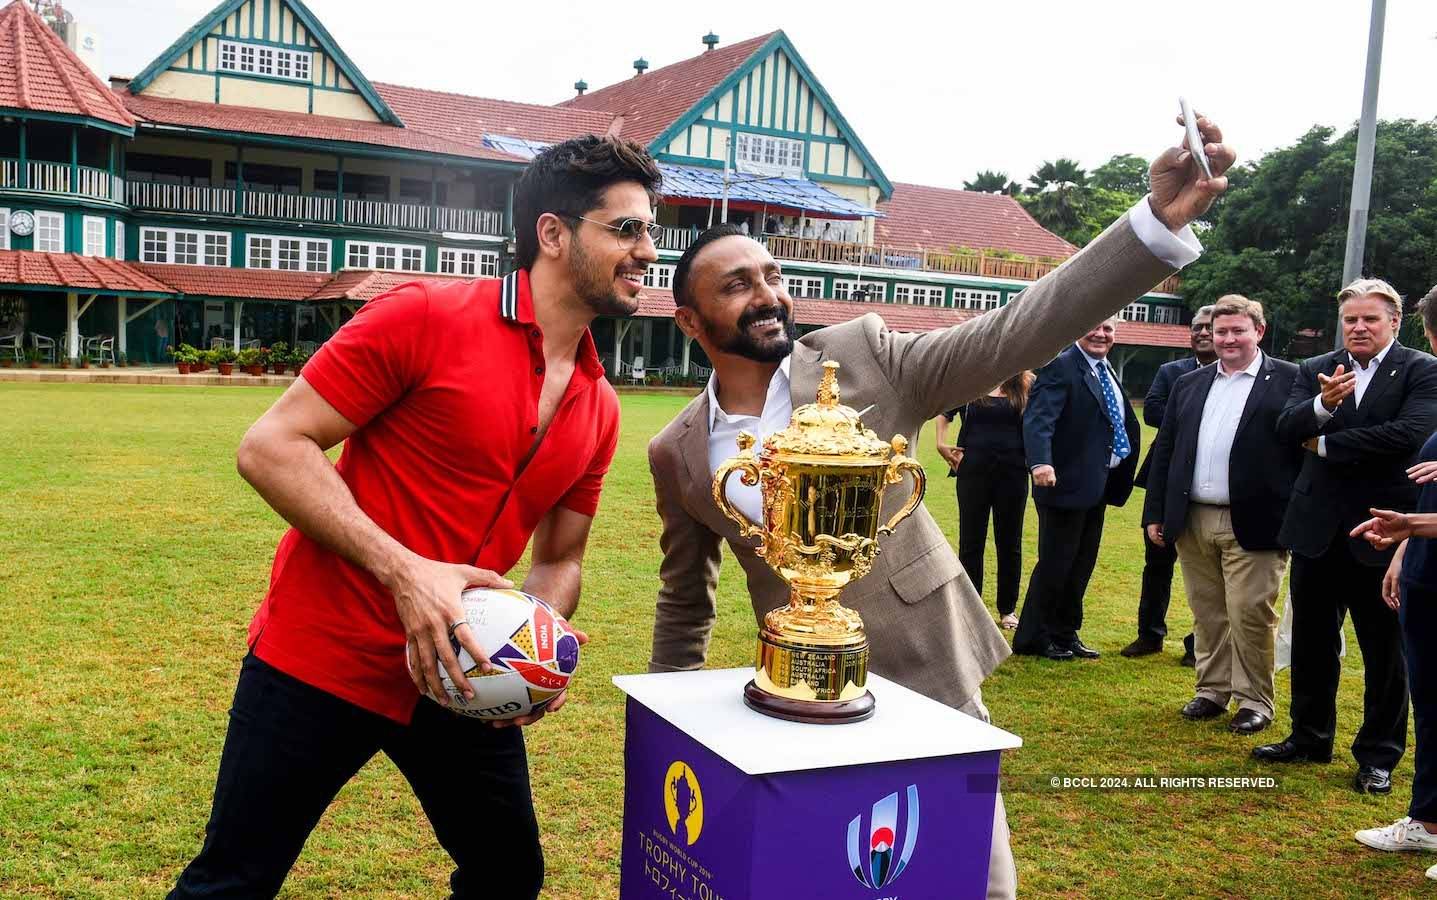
1194 138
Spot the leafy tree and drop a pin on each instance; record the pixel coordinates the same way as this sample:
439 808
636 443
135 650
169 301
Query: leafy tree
1061 173
1280 233
988 182
1124 172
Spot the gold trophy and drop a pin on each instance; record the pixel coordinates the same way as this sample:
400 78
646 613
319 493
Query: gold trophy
822 481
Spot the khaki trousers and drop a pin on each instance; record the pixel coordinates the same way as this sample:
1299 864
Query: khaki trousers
1233 596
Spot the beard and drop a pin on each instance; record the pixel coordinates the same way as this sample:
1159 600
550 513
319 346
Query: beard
596 288
768 350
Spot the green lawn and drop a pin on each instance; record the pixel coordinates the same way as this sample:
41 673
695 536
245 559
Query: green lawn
132 557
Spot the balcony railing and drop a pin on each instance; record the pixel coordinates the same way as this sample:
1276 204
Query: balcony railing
61 178
308 208
677 238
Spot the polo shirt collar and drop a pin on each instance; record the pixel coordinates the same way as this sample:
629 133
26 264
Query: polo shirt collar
516 306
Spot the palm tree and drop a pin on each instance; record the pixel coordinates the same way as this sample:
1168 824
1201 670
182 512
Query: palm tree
1062 173
988 182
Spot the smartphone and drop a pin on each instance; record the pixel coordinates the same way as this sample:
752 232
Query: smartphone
1194 137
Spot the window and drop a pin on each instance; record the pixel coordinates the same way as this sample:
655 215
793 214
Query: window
1135 312
768 155
49 232
120 241
1167 315
4 229
181 246
400 257
275 62
965 298
659 277
289 254
799 286
469 263
859 290
919 294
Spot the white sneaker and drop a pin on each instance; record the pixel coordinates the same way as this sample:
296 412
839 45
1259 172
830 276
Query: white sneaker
1432 873
1404 834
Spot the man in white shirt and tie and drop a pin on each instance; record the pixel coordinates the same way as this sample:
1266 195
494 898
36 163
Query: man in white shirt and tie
1220 485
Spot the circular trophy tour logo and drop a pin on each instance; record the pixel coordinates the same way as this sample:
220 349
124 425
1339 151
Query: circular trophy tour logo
683 802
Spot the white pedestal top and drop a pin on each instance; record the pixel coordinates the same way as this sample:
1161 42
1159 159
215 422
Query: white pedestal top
708 706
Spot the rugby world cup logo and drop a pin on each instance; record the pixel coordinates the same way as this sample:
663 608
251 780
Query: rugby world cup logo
873 862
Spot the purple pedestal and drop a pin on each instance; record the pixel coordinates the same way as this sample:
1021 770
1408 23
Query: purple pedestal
722 802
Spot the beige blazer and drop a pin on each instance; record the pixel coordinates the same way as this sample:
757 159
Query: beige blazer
927 626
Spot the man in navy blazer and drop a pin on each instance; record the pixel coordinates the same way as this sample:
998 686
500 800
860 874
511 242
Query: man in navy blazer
1081 438
1362 413
1221 479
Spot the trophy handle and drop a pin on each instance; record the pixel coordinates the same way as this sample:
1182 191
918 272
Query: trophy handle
747 466
896 467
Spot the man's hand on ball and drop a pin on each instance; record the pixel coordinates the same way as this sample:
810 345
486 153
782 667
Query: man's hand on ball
426 598
1181 193
554 705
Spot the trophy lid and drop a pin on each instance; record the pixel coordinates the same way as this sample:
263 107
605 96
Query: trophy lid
828 428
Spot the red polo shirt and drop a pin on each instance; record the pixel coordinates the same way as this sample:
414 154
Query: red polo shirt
442 382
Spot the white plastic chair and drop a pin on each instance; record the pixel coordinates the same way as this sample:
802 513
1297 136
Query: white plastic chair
100 347
636 373
14 344
45 345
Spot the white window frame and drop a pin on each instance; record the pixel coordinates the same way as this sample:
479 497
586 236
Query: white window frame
468 263
385 256
4 228
768 154
92 236
918 294
1165 315
803 286
47 220
1135 312
286 253
119 241
272 62
971 298
169 241
660 277
843 289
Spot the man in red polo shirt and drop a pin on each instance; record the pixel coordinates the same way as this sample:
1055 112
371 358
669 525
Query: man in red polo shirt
475 416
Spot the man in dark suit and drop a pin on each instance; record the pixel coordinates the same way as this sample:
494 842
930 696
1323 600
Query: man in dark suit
1221 480
1158 559
1081 439
1362 413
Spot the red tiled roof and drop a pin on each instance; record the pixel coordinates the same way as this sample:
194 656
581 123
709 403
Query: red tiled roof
939 218
659 304
364 285
241 284
71 270
42 74
651 102
196 114
467 119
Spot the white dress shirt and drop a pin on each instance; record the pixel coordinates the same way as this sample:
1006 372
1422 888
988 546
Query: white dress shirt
1364 378
1220 417
1101 368
1177 249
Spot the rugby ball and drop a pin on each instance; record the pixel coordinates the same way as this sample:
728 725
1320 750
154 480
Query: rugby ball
532 649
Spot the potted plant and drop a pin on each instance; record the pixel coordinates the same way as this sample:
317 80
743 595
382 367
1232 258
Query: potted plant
64 362
84 361
185 357
32 358
249 360
123 361
298 358
278 357
223 358
7 361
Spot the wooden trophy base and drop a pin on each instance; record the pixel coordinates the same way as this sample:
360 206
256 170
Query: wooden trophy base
811 712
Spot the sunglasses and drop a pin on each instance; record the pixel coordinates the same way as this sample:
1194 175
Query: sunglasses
629 231
1199 328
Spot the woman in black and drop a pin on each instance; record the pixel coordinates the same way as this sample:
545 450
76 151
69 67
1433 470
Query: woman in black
992 477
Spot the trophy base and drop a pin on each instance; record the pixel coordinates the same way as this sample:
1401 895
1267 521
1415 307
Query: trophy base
811 712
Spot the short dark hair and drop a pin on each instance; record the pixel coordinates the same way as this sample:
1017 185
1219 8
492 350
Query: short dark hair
569 179
682 295
1427 306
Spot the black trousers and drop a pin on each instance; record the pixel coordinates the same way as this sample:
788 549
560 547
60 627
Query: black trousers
992 483
1068 542
291 747
1418 618
1324 590
1158 563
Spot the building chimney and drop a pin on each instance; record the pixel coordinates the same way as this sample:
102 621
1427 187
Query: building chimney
710 41
580 86
640 65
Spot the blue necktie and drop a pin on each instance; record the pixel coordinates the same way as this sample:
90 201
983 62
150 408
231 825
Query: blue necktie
1121 447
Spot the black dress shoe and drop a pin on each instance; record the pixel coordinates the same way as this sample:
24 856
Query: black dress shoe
1287 750
1082 650
1202 708
1248 721
1372 780
1142 647
1056 653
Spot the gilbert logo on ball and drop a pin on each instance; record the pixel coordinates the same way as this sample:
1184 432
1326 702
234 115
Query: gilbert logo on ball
532 648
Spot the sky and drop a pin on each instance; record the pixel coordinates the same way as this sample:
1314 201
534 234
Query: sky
936 90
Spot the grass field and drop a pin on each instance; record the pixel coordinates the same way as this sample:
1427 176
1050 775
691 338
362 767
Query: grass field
132 556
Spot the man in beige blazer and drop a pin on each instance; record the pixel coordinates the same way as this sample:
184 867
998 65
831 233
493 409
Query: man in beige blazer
927 627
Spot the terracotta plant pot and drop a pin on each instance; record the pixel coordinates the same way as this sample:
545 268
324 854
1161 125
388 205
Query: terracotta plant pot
254 370
34 364
183 367
104 364
227 368
277 368
63 363
6 363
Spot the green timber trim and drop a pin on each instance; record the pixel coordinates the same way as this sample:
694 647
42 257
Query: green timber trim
776 132
745 69
67 119
109 292
821 177
19 198
690 160
218 16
